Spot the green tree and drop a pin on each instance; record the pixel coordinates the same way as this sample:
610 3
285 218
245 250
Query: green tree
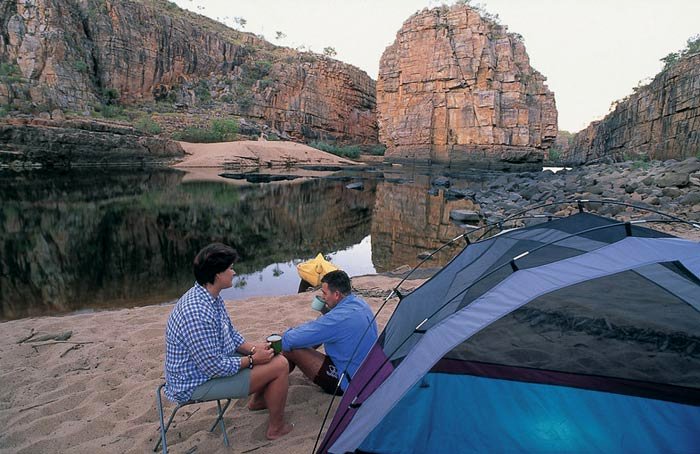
240 22
329 51
692 46
670 59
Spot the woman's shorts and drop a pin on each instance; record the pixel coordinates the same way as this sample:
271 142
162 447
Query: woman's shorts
231 387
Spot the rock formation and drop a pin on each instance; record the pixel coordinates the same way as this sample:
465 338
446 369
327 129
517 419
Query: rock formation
455 87
84 56
65 143
659 121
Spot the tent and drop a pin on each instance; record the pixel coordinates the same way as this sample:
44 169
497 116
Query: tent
580 334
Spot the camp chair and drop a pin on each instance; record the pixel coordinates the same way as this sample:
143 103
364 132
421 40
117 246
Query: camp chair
164 427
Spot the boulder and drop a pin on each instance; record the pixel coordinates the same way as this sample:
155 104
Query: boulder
465 216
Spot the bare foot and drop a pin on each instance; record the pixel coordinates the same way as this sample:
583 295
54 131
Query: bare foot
275 434
256 404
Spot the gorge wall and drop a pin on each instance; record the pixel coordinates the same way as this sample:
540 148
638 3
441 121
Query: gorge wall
80 56
659 121
455 87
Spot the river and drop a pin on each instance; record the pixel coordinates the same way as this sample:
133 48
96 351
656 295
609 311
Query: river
89 239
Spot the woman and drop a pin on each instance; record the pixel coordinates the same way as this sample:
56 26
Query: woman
206 358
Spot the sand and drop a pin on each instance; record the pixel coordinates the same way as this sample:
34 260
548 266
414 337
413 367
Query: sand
251 153
95 392
207 161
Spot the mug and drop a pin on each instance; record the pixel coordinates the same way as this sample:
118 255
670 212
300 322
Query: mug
317 304
276 341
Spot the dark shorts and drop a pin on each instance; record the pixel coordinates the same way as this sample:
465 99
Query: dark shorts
327 377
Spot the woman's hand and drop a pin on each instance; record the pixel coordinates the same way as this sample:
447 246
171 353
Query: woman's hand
262 346
263 354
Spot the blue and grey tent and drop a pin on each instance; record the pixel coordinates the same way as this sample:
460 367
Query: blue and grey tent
580 334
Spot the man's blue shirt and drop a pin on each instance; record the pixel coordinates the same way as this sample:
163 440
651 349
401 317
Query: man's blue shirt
340 331
200 342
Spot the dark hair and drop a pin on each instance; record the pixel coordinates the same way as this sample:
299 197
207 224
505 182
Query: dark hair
338 280
212 260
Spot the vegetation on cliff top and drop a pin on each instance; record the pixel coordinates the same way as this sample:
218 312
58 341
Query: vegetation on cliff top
692 46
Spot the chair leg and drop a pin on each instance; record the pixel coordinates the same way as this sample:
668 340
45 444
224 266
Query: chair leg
159 404
164 428
220 419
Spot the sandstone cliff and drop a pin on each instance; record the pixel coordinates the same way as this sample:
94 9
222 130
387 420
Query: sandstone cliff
455 87
659 121
81 56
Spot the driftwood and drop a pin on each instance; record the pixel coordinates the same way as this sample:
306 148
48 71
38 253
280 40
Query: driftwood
57 337
73 347
255 449
37 405
60 342
26 338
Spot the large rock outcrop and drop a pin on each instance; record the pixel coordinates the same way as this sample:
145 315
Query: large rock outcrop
455 87
50 143
659 121
79 56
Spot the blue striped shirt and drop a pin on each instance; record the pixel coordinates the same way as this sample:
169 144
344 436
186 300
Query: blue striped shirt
200 342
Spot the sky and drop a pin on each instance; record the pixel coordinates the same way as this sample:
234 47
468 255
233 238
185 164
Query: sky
592 52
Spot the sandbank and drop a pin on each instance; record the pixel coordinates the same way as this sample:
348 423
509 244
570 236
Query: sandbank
252 153
95 392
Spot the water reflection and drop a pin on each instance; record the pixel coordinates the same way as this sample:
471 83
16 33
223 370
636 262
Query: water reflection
85 239
282 278
409 220
113 239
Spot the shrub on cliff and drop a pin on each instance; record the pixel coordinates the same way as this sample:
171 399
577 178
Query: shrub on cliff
352 151
377 150
692 46
147 125
217 131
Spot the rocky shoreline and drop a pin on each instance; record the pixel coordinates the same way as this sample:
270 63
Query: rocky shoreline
671 187
53 143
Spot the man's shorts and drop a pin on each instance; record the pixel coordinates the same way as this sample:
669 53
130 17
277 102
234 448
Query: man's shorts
327 377
231 387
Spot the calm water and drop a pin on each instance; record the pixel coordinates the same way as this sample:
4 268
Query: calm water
86 240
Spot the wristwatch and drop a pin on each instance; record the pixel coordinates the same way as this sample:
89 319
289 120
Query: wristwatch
250 361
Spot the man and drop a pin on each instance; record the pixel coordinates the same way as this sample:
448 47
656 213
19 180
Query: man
347 331
207 359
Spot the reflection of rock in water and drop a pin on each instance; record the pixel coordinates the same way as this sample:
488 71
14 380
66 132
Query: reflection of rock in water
409 220
83 238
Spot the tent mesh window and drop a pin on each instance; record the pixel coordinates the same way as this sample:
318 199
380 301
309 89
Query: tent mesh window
574 330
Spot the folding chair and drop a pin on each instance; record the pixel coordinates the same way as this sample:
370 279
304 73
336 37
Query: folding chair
164 427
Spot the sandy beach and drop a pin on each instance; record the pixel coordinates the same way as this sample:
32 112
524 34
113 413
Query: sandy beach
207 161
95 392
252 153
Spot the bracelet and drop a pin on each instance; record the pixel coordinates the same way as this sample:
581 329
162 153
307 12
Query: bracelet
250 361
